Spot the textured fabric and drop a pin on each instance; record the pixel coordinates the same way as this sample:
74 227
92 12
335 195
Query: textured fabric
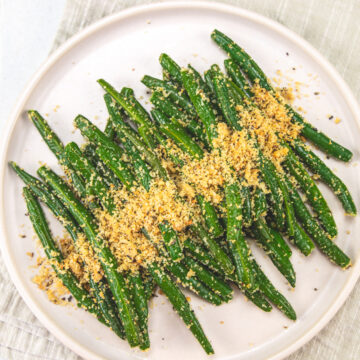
329 25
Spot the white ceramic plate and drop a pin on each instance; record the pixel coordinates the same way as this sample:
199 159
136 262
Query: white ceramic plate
121 49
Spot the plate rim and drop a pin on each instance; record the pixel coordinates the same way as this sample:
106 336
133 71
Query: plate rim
16 277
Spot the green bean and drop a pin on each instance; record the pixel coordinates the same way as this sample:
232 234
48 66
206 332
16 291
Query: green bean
266 241
198 252
321 140
129 96
104 298
57 148
241 58
246 206
192 125
312 192
159 138
317 166
198 78
94 183
208 76
141 170
333 252
166 77
227 104
214 248
238 78
272 294
302 240
207 90
201 103
181 100
289 211
148 136
138 114
276 197
45 194
114 162
171 241
294 230
109 150
282 245
171 67
149 286
130 134
42 230
237 244
178 134
258 299
296 233
145 129
108 260
140 302
95 135
109 130
181 273
134 109
106 174
211 218
216 284
180 305
260 204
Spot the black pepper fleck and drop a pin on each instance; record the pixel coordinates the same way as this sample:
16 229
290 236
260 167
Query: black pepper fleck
331 117
315 289
287 54
316 93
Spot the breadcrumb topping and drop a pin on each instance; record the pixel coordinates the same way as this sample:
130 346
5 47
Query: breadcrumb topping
138 210
232 157
276 118
47 281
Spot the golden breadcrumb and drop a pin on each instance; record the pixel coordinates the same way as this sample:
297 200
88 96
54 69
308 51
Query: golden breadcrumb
232 157
47 281
276 118
138 210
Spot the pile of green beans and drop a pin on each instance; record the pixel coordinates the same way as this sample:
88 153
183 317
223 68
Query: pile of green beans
187 108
